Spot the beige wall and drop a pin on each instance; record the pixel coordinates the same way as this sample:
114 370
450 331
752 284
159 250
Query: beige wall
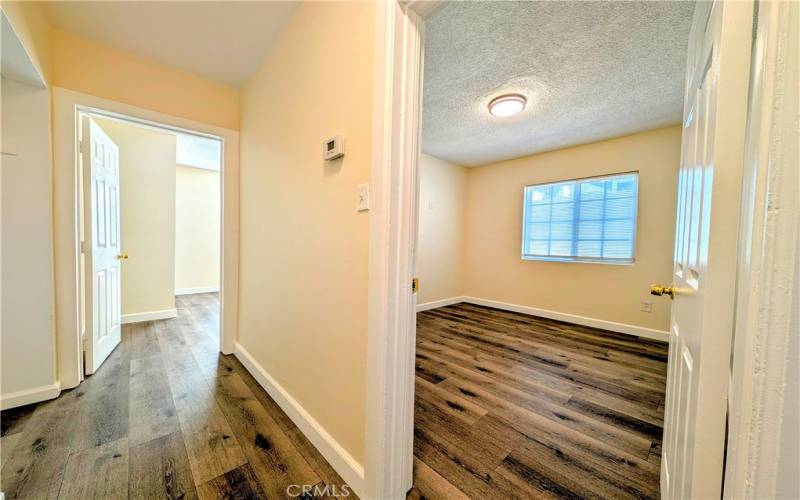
147 215
99 70
26 348
494 270
304 247
197 214
442 210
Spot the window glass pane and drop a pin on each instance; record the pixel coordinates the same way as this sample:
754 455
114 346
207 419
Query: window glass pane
618 229
563 211
591 210
590 230
539 213
619 207
589 248
620 187
561 231
538 247
539 231
592 219
563 192
561 248
540 194
592 190
617 249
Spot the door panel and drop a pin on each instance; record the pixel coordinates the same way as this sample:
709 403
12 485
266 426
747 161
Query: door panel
706 229
100 160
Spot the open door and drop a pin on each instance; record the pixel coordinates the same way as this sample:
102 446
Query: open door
706 232
100 157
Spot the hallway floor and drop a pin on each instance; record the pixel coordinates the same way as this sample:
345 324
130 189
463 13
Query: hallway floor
166 416
514 406
507 406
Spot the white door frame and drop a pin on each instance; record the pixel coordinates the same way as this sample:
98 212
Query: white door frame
760 438
67 104
391 325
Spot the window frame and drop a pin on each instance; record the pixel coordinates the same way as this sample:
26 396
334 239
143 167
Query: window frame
583 260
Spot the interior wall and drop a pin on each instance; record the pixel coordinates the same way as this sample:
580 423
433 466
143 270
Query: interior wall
493 268
304 246
197 213
147 215
92 68
28 360
442 209
32 28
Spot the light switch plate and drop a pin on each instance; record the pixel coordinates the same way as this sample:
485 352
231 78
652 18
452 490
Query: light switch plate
363 197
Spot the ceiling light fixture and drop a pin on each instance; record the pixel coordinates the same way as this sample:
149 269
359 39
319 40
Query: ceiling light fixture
507 105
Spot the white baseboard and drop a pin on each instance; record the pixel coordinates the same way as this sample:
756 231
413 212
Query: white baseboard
201 289
149 316
637 331
342 462
439 303
28 396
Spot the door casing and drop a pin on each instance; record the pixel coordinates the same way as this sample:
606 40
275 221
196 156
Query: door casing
67 105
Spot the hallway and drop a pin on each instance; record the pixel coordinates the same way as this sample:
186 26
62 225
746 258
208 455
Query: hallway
166 416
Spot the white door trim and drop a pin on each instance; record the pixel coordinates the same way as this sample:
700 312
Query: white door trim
391 324
768 275
66 105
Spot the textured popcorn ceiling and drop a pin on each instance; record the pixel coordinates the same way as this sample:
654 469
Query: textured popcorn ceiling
590 71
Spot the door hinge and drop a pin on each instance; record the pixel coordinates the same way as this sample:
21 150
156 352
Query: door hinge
83 247
415 285
84 339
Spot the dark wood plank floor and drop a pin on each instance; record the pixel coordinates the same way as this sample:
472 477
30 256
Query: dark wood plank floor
513 406
507 406
166 416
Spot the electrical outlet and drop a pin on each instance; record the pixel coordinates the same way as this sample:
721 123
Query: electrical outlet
646 306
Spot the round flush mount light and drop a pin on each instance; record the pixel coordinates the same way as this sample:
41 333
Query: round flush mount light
507 105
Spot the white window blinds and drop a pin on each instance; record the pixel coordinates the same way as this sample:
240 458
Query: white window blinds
590 219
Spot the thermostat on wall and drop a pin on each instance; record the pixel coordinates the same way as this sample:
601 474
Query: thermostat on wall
333 148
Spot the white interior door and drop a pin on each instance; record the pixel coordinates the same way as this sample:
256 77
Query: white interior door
709 186
100 157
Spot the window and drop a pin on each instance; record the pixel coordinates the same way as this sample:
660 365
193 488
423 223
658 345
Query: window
197 151
590 220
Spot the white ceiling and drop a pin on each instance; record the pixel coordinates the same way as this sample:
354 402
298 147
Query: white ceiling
590 71
223 41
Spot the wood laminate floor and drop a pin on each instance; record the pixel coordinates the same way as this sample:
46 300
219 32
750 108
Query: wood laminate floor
166 416
507 406
514 406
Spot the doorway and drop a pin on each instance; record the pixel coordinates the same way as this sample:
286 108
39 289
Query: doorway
67 109
698 471
149 212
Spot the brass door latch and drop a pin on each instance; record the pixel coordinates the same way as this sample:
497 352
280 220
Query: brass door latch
662 290
415 285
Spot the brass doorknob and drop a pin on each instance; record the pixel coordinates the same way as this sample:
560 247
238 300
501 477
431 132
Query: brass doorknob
662 290
122 256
